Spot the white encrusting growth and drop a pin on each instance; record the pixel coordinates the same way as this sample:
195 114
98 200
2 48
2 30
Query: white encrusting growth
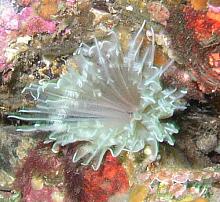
113 101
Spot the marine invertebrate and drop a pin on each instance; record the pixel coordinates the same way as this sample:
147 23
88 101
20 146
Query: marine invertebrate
113 100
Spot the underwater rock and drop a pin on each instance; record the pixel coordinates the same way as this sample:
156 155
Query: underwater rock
199 137
32 24
38 174
199 4
158 12
47 9
185 31
190 52
43 175
110 179
178 76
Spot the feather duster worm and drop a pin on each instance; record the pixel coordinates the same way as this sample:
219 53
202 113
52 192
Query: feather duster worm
113 101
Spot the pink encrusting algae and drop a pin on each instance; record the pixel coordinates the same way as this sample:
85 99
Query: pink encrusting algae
32 24
14 24
8 25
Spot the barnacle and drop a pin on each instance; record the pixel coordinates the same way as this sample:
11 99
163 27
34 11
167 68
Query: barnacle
112 101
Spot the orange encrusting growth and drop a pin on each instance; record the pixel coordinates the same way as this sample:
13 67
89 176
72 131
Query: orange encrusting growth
160 58
199 4
201 200
110 179
47 8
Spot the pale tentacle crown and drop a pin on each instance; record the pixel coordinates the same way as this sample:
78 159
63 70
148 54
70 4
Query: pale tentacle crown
112 101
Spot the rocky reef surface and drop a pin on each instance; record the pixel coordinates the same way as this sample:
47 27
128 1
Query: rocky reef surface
38 39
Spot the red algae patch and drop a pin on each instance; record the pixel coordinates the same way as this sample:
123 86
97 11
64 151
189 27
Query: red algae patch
110 179
84 184
203 23
37 172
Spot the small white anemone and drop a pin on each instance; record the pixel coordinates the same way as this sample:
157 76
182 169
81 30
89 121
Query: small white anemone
114 101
